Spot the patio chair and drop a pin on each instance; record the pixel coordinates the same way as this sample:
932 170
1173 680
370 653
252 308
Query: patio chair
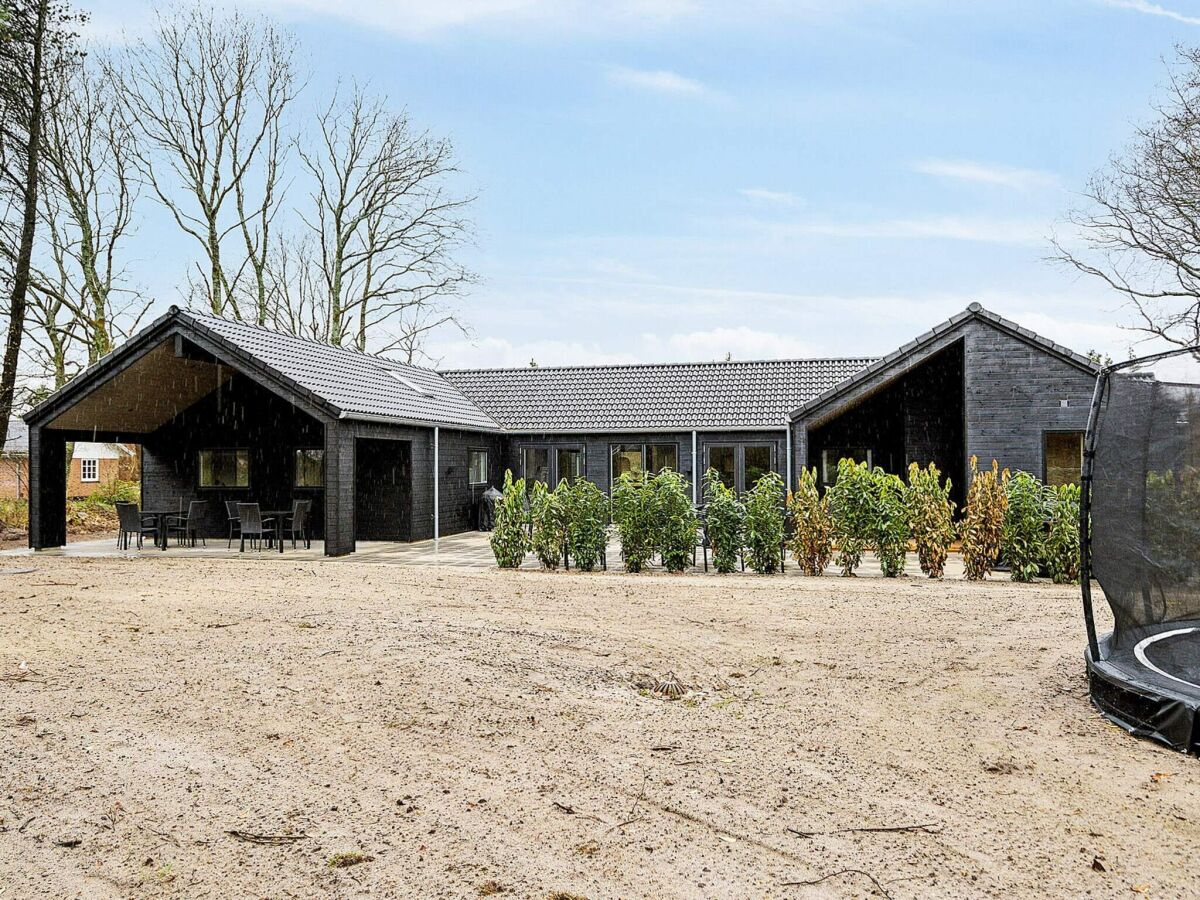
231 514
188 527
130 522
297 523
252 525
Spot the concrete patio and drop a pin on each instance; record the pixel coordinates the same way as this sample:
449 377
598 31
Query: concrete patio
467 550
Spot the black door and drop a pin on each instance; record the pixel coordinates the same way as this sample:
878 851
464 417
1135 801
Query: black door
383 490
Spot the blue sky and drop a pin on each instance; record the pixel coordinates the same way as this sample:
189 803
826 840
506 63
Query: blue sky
681 179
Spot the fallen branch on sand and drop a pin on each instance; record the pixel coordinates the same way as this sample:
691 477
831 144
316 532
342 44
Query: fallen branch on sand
875 881
273 840
927 827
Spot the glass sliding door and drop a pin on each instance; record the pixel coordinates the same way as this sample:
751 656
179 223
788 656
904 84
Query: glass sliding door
662 456
756 462
570 464
535 464
626 458
723 458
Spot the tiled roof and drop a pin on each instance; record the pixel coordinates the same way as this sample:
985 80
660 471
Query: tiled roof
675 396
358 385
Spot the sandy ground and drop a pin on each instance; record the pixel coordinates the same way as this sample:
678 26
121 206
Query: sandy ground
475 732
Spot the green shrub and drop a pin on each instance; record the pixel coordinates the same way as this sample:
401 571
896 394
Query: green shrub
509 540
724 519
636 519
930 517
1022 542
115 491
587 531
812 527
677 522
982 527
852 506
14 514
889 522
549 514
1062 541
764 524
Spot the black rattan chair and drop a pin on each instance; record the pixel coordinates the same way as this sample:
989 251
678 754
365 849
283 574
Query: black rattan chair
252 525
187 528
297 523
231 513
130 522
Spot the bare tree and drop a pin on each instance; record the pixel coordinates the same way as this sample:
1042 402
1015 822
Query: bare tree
386 228
36 40
207 95
1139 231
88 209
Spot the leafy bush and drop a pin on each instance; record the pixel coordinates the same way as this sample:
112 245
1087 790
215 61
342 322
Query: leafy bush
812 527
724 519
676 517
852 505
764 524
889 522
635 515
587 530
115 491
1062 541
14 515
930 517
549 514
982 528
509 540
1022 543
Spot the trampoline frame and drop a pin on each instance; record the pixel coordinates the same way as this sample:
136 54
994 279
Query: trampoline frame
1173 718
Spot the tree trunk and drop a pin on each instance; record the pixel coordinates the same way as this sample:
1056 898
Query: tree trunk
20 289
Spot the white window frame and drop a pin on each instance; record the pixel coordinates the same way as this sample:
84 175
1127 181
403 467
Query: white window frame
471 454
94 465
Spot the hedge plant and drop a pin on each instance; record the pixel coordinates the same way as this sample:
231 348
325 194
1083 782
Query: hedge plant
509 540
1062 541
676 520
930 517
982 527
764 524
1024 520
852 505
724 519
889 522
550 514
587 533
811 542
635 516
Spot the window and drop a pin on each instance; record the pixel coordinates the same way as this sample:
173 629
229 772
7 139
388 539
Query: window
224 468
570 464
535 464
756 464
626 458
831 458
310 469
662 456
477 467
723 458
89 470
651 458
1064 457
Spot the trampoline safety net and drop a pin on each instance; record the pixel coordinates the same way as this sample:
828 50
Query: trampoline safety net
1143 466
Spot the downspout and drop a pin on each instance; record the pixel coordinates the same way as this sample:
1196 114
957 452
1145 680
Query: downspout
695 473
790 463
436 479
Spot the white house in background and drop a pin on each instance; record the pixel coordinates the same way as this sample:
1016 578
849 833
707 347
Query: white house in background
94 464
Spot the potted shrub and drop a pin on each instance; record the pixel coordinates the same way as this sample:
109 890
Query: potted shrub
1024 524
930 517
889 520
587 532
676 520
764 524
812 527
724 518
634 514
1062 540
851 504
982 527
509 540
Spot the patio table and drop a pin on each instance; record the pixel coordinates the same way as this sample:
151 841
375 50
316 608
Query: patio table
161 517
278 515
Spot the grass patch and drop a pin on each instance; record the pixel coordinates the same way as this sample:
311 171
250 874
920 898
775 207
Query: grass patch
348 859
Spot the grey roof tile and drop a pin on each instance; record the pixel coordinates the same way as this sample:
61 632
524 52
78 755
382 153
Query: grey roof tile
672 396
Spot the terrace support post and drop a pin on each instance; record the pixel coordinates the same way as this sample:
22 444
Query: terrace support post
695 473
437 477
47 488
339 488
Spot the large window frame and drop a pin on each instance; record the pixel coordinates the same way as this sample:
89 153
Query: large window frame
474 479
200 485
554 476
831 456
739 459
89 470
643 448
1046 436
296 468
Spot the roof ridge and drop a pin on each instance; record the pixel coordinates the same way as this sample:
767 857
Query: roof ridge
663 365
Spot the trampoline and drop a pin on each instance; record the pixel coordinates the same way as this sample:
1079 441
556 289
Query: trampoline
1141 495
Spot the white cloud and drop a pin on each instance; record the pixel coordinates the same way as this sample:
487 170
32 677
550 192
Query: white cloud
659 81
741 342
1152 9
952 228
983 173
492 352
772 198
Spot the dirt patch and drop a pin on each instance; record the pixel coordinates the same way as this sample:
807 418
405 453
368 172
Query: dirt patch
235 728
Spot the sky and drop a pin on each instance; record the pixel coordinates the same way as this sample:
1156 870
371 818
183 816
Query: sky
667 180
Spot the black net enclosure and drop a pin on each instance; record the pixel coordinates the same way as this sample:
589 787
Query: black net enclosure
1141 496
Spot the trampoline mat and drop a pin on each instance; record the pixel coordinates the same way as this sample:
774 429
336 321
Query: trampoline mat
1150 684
